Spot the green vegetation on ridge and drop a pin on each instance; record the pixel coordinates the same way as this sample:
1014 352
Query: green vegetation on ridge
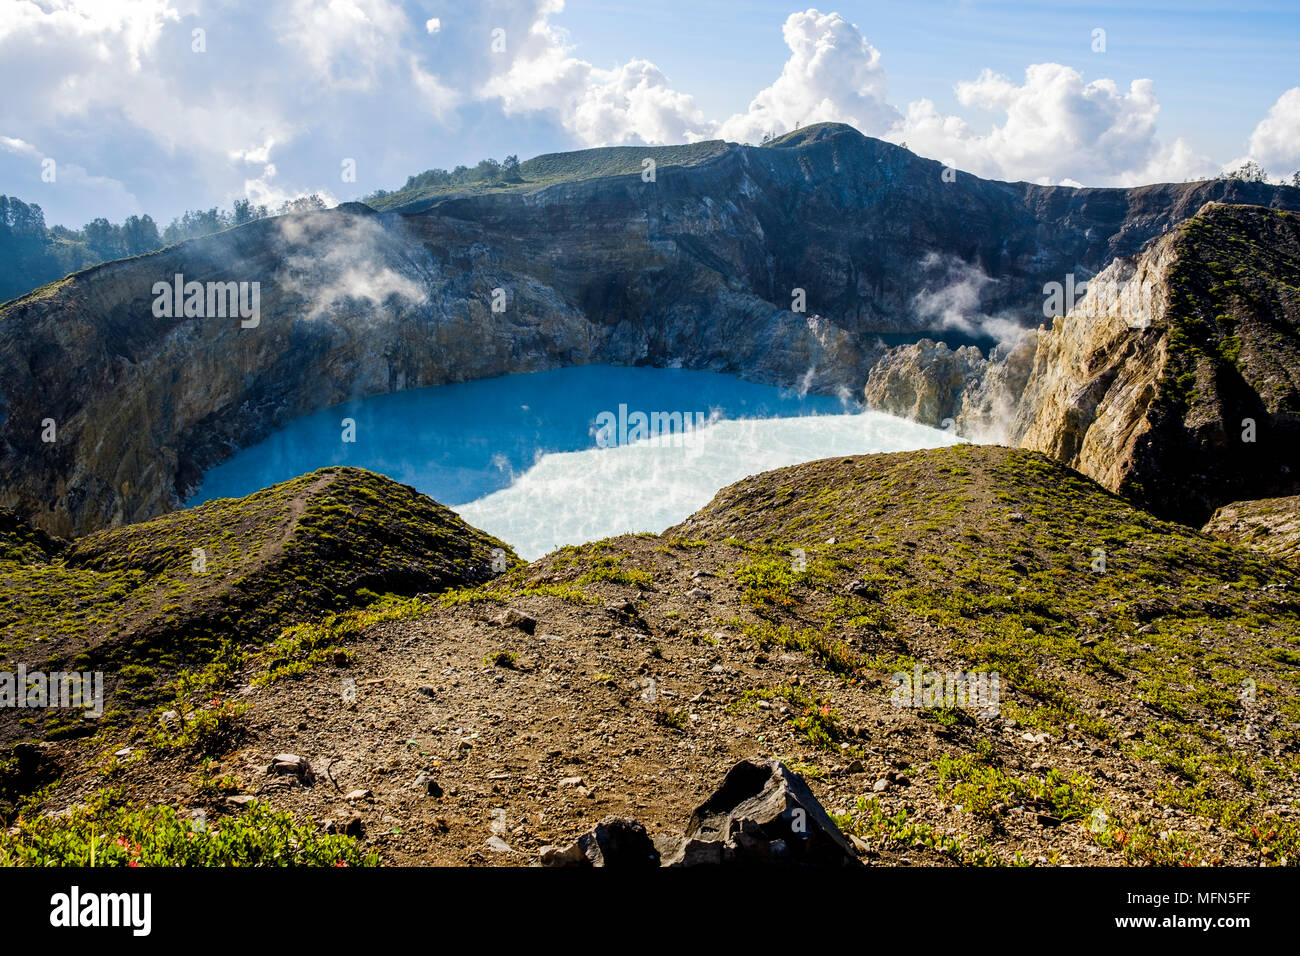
146 600
539 172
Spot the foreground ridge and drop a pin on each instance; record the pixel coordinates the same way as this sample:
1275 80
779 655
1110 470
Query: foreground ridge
1145 707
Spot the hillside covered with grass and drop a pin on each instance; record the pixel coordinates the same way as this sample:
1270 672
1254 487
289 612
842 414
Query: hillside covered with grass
146 600
1149 707
551 169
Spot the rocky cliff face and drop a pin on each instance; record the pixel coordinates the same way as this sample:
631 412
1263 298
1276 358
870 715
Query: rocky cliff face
1096 371
1271 525
1176 380
110 412
953 388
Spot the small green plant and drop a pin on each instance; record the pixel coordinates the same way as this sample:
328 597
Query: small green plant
211 730
304 646
809 715
106 832
676 719
506 659
768 583
208 783
869 821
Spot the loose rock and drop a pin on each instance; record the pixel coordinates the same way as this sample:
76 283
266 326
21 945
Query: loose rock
291 765
614 841
515 619
762 813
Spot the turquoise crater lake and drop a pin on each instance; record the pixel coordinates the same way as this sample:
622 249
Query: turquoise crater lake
549 458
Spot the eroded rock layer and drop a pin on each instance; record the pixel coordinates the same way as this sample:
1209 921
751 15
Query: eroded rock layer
1176 380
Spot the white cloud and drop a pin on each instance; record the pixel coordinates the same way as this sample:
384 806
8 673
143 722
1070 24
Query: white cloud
131 26
115 86
345 42
833 74
635 104
1054 126
260 155
1172 162
285 91
263 190
11 144
1275 143
629 104
439 99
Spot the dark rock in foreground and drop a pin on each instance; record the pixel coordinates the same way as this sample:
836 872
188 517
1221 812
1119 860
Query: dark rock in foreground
762 814
613 842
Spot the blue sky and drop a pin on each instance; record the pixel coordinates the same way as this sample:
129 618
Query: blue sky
1217 66
135 119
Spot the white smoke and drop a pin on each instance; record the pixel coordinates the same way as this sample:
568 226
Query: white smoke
955 303
347 262
952 300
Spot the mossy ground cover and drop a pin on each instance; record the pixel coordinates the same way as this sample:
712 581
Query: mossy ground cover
109 832
1005 561
147 601
1147 711
1234 305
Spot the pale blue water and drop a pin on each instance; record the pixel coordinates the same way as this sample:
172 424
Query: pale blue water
456 443
518 456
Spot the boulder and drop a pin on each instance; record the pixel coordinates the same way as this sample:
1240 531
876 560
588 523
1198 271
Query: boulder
291 765
763 813
614 841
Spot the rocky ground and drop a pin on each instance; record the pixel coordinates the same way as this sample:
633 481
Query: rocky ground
1148 710
149 600
1271 525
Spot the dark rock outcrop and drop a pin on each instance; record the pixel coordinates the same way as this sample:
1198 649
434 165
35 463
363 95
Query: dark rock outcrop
762 814
618 842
